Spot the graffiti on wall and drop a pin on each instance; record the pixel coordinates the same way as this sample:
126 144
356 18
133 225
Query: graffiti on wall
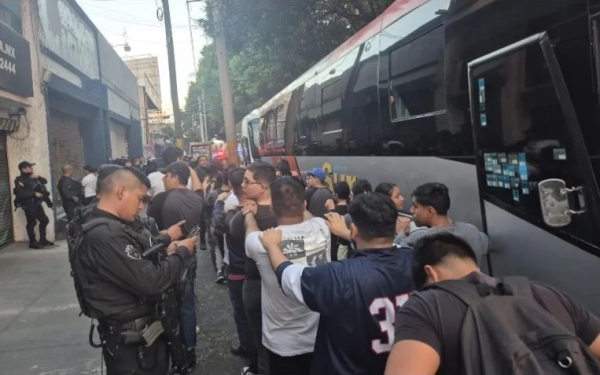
68 35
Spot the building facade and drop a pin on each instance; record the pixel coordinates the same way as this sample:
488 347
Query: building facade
148 80
23 130
65 98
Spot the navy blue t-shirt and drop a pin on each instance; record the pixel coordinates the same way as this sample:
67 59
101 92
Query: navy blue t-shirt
358 299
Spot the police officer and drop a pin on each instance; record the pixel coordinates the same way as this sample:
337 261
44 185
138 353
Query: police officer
117 286
30 192
70 191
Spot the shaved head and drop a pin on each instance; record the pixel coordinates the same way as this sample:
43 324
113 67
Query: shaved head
122 192
128 177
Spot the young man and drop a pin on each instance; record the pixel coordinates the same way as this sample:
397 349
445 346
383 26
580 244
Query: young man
428 327
89 184
317 193
431 203
226 207
289 327
175 205
256 187
357 298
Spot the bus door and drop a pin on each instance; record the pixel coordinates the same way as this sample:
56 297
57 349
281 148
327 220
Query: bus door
538 193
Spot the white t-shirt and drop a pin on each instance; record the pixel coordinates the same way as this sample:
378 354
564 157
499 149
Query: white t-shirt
289 327
89 185
157 185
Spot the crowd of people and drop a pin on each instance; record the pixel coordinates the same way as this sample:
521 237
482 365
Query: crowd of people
347 282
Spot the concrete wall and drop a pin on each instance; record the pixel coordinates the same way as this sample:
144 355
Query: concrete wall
118 140
64 32
148 76
121 82
32 139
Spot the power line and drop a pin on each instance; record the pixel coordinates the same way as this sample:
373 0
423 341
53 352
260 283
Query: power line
113 18
130 17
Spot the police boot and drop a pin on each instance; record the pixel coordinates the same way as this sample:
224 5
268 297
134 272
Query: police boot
35 245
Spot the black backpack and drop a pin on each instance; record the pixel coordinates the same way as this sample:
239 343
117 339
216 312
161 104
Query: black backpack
507 331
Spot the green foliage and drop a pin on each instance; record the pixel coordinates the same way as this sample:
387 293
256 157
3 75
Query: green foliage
270 43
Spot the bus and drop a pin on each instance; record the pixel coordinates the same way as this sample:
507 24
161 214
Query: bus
496 99
250 129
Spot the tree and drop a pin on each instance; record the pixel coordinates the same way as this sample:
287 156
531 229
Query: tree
271 43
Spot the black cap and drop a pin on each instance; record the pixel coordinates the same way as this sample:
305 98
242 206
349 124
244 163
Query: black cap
25 164
179 169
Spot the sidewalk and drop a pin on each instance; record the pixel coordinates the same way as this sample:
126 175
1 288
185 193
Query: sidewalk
42 334
40 330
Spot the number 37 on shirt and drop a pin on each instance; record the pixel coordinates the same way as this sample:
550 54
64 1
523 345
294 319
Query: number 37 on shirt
384 312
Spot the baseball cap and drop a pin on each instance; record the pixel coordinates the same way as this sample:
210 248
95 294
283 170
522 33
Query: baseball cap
25 164
318 173
179 169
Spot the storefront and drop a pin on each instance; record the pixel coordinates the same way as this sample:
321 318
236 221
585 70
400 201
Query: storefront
65 146
118 139
16 88
6 207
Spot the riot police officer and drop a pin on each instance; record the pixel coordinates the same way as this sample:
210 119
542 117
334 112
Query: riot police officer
30 192
115 285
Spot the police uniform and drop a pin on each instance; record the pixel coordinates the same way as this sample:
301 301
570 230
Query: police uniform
120 290
25 191
69 189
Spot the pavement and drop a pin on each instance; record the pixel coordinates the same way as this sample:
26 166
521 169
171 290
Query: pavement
41 332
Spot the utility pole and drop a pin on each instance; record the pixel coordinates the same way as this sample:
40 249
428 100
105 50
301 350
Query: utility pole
173 77
201 120
226 95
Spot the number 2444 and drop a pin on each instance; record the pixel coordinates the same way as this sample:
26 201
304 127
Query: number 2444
8 66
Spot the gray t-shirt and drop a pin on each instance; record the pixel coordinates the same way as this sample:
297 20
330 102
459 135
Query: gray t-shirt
478 240
316 206
183 204
289 327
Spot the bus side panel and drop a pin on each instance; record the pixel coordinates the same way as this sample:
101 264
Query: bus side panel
408 173
531 251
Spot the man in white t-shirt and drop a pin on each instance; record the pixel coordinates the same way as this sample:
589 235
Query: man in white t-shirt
89 184
289 327
170 155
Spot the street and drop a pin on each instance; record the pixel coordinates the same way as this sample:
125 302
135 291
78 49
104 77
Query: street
41 332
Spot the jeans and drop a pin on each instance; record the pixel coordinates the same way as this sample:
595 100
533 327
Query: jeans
216 248
295 365
188 315
252 304
236 296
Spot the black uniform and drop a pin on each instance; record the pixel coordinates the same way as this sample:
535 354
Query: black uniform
25 193
69 190
121 289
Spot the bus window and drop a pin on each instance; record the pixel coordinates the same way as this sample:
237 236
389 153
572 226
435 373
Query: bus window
523 136
417 99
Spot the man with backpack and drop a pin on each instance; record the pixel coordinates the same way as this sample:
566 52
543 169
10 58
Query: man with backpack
464 322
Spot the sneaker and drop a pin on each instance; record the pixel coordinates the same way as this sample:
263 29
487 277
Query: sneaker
46 243
203 246
35 245
220 278
192 359
246 371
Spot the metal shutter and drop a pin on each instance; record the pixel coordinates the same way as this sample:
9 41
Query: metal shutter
66 147
6 207
118 140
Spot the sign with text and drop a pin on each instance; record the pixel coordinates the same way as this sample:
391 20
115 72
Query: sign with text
15 63
198 149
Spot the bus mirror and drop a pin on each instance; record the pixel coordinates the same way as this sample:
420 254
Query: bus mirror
554 200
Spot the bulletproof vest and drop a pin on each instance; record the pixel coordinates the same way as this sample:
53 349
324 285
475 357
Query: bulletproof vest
76 231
